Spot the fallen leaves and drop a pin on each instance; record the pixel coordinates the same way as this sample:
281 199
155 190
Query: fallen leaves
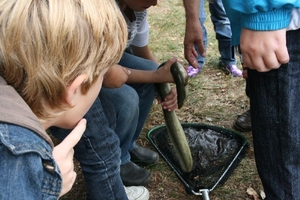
255 195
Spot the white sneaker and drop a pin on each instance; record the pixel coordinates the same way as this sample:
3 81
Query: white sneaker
137 193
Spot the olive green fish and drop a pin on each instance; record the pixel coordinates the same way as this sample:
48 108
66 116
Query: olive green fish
173 125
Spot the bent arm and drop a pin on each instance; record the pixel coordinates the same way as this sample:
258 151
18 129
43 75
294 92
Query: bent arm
161 75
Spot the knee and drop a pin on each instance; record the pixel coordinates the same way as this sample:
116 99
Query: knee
130 102
152 65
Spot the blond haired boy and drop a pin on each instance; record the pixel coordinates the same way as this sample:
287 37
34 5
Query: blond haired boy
53 56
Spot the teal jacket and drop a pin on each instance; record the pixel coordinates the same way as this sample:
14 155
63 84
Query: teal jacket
260 15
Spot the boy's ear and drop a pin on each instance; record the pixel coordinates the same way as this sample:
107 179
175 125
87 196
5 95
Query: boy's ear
74 89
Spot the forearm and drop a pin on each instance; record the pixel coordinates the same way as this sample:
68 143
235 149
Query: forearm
193 32
116 76
160 75
142 76
191 10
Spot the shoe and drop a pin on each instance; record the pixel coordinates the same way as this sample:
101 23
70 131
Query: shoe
137 193
232 69
143 156
243 122
192 71
133 193
134 175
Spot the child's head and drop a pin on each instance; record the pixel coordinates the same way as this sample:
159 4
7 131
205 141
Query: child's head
46 44
138 5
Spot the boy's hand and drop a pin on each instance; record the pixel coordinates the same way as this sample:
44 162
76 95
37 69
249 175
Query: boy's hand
264 50
116 76
164 74
63 155
170 102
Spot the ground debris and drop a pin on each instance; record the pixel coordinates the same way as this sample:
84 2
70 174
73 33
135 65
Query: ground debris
253 193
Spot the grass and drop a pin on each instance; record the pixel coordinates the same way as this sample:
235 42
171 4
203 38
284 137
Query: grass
215 98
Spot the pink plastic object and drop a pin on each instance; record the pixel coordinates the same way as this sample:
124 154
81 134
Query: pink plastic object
192 71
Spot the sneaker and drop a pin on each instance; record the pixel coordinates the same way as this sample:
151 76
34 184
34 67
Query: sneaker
192 71
137 193
233 69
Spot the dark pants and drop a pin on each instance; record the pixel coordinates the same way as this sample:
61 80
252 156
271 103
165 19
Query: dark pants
222 30
275 115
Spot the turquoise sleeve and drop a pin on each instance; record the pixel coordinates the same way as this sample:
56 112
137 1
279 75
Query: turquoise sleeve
262 15
267 20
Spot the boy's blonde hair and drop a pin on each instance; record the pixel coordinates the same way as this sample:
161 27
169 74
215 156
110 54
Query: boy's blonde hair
46 44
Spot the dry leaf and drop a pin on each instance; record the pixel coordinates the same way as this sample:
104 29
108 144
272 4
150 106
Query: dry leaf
181 188
253 193
262 194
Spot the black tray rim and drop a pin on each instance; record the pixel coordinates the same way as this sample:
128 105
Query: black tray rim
190 188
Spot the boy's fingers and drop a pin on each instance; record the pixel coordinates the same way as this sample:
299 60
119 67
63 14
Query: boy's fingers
72 139
283 55
171 61
126 71
201 48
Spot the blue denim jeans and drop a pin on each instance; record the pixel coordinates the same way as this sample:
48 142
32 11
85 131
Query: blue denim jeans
275 115
146 94
222 29
114 122
98 152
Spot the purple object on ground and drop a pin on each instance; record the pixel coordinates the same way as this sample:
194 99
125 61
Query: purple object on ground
234 70
192 71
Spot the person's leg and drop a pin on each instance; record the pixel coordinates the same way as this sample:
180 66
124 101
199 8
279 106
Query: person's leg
202 18
135 101
121 108
122 105
146 92
99 153
223 35
223 31
275 110
243 121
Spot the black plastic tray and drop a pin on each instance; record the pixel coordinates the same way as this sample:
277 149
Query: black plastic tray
217 170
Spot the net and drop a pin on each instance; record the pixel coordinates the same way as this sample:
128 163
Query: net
216 152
